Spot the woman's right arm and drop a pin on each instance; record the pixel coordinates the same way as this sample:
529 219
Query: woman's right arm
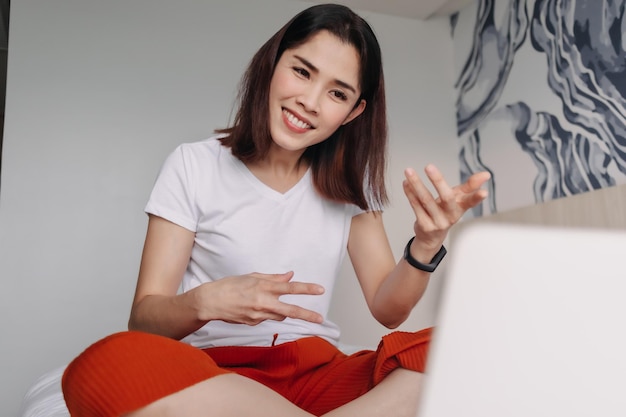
156 306
245 299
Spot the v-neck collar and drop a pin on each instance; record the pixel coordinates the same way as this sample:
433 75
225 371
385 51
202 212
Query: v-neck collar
268 191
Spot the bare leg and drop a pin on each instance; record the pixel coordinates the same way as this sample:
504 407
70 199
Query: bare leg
234 396
227 395
396 396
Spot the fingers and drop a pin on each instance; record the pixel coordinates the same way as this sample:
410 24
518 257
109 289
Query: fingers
265 299
296 288
470 192
284 286
281 311
427 208
296 312
475 181
451 201
467 201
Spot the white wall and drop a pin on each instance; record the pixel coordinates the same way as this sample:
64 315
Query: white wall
98 93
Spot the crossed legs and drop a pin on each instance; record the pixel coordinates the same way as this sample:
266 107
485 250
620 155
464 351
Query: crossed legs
233 395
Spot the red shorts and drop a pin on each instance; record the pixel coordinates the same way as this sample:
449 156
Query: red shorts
129 370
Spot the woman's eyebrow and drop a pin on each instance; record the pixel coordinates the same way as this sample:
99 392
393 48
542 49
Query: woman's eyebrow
314 69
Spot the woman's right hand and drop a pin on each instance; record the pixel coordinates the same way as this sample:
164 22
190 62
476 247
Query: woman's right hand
253 298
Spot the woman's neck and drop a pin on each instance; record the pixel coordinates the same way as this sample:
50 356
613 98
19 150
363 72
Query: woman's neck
280 169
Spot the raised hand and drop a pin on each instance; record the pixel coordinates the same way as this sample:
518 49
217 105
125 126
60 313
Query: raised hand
253 298
435 215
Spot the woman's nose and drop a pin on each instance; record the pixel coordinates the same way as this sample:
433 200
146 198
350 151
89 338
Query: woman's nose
310 99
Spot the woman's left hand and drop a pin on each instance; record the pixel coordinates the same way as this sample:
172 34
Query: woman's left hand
435 216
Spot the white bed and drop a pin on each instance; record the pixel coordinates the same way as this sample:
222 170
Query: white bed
44 398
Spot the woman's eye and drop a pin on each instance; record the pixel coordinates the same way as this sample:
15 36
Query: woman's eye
341 96
301 72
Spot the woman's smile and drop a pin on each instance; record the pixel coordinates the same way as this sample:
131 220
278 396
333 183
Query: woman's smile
296 122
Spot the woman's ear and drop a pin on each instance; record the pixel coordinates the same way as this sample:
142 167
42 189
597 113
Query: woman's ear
356 112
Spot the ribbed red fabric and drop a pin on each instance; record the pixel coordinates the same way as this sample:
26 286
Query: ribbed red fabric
128 371
406 350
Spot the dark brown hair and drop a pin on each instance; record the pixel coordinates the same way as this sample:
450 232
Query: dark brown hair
350 165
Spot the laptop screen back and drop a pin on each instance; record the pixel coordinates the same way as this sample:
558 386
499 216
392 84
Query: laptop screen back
532 323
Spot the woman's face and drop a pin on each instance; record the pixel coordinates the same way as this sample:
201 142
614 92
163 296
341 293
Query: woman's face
313 91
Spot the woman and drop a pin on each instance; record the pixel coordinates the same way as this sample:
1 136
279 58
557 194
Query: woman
252 226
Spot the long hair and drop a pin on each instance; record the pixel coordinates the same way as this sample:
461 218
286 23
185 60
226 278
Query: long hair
350 165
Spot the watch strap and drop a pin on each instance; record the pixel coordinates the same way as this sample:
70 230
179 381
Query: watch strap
429 267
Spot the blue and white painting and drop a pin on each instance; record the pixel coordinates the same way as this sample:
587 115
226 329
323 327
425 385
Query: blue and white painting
541 97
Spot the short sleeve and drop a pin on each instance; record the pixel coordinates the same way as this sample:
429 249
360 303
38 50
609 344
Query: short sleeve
354 210
173 194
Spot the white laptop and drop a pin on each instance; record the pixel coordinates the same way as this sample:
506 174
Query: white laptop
532 323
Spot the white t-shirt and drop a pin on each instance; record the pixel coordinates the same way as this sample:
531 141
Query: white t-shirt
243 226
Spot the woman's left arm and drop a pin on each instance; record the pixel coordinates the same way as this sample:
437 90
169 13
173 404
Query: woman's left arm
392 289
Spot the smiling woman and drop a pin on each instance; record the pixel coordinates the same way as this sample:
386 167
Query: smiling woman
94 112
253 225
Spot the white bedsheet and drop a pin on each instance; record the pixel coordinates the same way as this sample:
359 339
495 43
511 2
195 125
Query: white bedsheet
45 398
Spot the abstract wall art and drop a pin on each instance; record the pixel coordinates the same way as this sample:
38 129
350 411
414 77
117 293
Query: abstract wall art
541 97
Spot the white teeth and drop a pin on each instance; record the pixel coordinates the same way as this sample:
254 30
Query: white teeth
295 121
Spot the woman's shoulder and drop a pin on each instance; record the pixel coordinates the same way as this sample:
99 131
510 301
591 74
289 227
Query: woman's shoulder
212 144
197 157
203 150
